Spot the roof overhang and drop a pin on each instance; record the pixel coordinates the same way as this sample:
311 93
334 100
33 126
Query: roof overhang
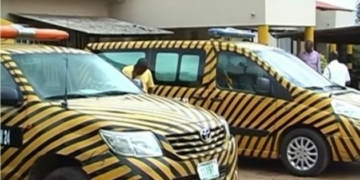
343 35
99 26
325 6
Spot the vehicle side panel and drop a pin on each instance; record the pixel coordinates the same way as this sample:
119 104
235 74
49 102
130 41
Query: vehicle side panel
306 109
55 130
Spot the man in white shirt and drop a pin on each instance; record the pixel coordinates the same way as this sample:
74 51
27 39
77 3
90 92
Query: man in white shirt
336 71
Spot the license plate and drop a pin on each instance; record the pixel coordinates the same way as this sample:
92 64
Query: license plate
11 136
208 170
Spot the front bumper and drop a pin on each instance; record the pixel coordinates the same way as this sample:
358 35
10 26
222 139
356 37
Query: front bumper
346 147
161 168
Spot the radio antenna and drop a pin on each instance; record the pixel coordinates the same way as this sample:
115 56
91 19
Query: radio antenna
64 104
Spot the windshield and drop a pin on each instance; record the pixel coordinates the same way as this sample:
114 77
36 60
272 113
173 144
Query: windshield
87 74
293 69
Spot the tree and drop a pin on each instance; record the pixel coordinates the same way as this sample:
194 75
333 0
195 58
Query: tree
357 20
356 52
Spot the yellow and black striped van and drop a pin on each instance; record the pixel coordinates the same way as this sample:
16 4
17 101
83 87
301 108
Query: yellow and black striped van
276 106
68 114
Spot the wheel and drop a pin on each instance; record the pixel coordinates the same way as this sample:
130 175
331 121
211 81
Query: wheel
68 173
304 153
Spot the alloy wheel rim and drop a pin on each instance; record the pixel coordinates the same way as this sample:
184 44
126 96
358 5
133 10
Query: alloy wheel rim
302 153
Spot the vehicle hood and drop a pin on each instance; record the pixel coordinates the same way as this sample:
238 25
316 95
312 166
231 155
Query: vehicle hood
350 96
146 112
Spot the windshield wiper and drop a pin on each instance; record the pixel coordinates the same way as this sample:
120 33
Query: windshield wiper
110 93
336 86
87 95
314 88
70 96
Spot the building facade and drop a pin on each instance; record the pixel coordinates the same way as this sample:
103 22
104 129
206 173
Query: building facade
190 19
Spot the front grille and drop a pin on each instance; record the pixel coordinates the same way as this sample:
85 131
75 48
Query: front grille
222 170
191 143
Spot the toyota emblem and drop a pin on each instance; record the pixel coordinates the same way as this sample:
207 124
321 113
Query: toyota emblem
205 135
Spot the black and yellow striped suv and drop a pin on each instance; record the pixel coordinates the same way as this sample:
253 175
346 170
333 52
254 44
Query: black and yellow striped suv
276 106
68 114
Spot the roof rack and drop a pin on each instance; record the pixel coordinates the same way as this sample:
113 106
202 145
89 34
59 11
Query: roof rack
16 31
231 34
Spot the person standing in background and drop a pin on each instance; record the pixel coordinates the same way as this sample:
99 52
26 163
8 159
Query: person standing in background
311 57
336 71
140 74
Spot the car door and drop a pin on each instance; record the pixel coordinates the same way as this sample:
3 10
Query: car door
13 113
250 113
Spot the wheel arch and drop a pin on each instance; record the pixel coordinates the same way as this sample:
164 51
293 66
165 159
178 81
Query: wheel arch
48 163
301 126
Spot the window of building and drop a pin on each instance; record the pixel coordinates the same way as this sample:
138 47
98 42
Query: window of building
237 72
122 59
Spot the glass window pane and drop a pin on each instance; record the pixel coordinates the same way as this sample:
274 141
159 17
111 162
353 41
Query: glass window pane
122 59
166 66
189 68
6 78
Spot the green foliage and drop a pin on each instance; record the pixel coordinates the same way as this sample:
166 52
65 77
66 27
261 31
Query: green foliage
356 64
324 62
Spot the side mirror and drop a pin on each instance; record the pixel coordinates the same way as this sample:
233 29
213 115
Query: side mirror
10 97
262 85
138 83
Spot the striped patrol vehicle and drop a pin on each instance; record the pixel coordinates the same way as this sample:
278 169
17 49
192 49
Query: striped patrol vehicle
277 107
68 114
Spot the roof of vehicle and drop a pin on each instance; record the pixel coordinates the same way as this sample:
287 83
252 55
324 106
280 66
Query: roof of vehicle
247 45
255 46
10 48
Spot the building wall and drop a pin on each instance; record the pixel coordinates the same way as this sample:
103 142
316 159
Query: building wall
56 7
205 13
189 13
332 19
290 12
325 19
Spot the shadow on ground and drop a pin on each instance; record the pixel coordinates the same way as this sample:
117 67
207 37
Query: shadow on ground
269 169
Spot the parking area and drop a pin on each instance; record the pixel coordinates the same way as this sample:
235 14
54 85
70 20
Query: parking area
251 169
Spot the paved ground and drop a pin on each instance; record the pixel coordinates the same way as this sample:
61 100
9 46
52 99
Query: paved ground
251 169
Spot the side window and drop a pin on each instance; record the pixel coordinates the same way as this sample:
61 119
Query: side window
121 59
179 68
237 72
189 68
6 78
166 66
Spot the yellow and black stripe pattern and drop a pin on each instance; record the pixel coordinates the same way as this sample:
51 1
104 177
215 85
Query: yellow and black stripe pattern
306 109
74 132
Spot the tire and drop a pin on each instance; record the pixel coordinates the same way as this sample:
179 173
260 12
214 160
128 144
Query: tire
318 157
68 173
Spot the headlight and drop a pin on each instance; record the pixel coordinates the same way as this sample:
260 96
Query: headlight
226 126
346 109
138 144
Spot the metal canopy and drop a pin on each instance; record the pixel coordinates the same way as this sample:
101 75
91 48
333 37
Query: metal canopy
343 35
101 26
